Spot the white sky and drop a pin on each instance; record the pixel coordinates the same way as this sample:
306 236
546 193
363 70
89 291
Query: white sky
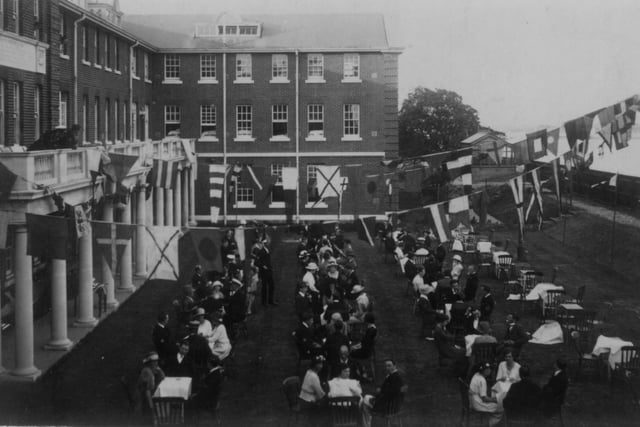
522 64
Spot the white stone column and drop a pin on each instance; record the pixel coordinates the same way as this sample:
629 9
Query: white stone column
185 197
59 339
126 262
192 198
141 217
168 206
85 282
23 307
107 274
158 194
177 201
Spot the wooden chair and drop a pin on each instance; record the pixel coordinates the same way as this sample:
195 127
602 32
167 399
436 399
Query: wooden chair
126 388
168 410
504 267
579 296
484 353
550 304
393 414
291 390
629 360
345 411
598 363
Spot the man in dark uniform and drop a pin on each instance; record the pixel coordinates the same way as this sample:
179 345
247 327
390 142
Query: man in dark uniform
262 259
389 394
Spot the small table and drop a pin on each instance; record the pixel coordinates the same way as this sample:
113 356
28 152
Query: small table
174 387
567 313
611 345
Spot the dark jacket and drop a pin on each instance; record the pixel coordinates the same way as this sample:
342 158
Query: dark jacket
173 368
305 340
302 305
518 335
332 345
523 399
163 341
367 344
207 398
553 393
486 307
471 287
390 393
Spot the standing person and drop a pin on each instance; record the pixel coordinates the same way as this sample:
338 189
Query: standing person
262 259
253 282
162 339
479 396
522 401
208 396
456 267
229 247
554 391
427 313
471 284
150 376
388 393
487 303
197 280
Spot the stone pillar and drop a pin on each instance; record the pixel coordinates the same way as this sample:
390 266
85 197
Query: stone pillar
107 273
141 217
126 262
177 201
192 198
168 206
158 194
23 307
59 339
185 197
85 282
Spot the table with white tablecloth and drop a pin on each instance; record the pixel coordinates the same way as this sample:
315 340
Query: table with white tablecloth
548 333
613 345
174 387
538 292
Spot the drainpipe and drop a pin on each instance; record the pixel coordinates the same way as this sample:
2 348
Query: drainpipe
75 68
132 136
224 134
298 136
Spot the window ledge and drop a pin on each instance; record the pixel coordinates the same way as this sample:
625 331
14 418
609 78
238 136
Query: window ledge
208 139
98 66
85 62
243 81
279 80
108 69
63 56
147 81
316 80
207 82
134 77
351 138
315 139
172 82
279 139
351 80
316 205
244 205
276 205
118 72
244 139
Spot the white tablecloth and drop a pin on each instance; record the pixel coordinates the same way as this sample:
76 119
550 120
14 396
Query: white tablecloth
500 390
468 342
548 334
613 346
174 387
539 291
484 247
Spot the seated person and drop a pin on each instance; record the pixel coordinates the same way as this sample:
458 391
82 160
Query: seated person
389 393
473 321
179 364
365 347
515 337
219 341
345 359
306 342
487 303
311 392
207 397
445 342
523 398
343 386
479 399
508 369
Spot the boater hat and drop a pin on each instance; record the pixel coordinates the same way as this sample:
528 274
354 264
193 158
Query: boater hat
150 357
312 266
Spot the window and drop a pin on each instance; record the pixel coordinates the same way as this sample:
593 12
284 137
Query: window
116 129
315 67
134 121
96 47
85 44
351 118
277 192
279 120
208 120
244 195
207 67
85 117
3 129
125 123
36 9
243 121
107 122
313 195
145 58
1 20
16 15
96 119
315 117
171 118
64 40
279 67
36 111
507 155
107 51
250 30
230 30
351 66
116 55
171 67
63 109
134 62
243 67
36 19
17 113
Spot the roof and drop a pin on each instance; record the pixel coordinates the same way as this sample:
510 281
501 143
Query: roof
483 134
359 32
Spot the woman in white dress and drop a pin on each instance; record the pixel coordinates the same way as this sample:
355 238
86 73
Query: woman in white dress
219 341
479 399
509 369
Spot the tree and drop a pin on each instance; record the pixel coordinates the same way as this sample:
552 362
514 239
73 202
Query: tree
432 121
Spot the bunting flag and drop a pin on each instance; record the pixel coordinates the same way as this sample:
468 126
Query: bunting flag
162 255
517 189
81 222
207 243
606 135
50 236
613 182
606 115
249 176
458 168
556 179
216 184
578 129
186 146
110 240
553 136
328 181
289 178
437 219
536 195
164 173
122 164
459 212
7 180
521 152
366 228
537 144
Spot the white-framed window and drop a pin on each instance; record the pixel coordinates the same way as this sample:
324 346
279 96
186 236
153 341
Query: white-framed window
96 118
96 47
507 155
279 68
244 128
125 122
279 121
85 43
313 195
315 67
17 113
277 191
171 118
116 54
208 121
207 67
351 68
63 109
244 195
36 19
243 68
351 120
107 121
145 65
107 51
134 121
85 117
36 110
64 37
134 62
16 15
315 119
171 67
3 128
116 119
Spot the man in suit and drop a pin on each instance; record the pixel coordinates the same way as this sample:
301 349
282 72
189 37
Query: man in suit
390 393
523 398
302 302
515 337
207 398
554 391
366 346
162 339
306 342
180 364
471 285
334 341
262 259
487 303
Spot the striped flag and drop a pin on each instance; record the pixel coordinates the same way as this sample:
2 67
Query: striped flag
459 211
516 185
216 184
164 173
536 195
436 217
459 169
366 229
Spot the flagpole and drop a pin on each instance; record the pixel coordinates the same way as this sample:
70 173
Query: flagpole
613 225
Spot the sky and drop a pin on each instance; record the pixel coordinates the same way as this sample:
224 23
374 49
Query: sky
523 64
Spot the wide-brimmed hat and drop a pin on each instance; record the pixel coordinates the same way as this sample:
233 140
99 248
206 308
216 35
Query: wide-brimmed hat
357 289
199 312
217 284
150 357
457 257
312 266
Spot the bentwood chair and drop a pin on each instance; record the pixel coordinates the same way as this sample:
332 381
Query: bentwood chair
597 362
168 410
550 304
345 411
